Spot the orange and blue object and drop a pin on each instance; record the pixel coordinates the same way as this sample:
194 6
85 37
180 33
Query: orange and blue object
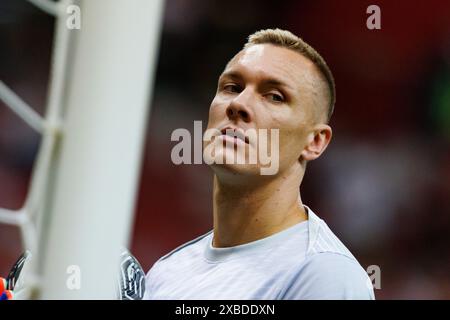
5 294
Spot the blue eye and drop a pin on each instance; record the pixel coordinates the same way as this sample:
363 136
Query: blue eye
232 88
276 97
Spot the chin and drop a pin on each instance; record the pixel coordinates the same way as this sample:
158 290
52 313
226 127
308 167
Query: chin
237 173
238 164
236 169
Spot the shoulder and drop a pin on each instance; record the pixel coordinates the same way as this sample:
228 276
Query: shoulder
329 271
322 239
328 275
175 259
186 247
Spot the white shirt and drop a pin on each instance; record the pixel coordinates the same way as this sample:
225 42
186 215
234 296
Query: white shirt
305 261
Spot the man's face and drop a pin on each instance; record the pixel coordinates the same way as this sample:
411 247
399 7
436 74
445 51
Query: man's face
267 87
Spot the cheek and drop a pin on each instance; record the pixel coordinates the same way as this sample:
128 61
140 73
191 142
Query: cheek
291 144
292 139
288 134
216 112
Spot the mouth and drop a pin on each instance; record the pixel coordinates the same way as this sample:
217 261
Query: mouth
235 133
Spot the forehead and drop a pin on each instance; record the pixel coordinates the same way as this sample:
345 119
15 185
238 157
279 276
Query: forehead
266 60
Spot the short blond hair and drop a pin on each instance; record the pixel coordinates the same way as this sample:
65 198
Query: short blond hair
286 39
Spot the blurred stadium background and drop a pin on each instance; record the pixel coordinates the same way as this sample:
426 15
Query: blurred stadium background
384 183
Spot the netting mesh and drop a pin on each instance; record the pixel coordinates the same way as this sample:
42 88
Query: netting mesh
29 218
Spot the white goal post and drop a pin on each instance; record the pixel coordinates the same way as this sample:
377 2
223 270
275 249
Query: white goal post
79 210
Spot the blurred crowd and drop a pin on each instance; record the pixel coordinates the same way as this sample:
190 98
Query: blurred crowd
383 185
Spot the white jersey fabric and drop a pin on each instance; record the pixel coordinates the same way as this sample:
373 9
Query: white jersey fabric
305 261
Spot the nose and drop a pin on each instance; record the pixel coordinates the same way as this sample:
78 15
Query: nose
239 108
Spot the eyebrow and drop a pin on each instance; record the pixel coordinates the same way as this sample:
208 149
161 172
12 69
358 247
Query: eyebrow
269 80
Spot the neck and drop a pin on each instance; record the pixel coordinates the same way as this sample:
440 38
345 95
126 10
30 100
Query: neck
247 213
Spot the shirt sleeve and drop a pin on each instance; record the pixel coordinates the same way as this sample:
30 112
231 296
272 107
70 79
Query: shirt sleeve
329 276
150 279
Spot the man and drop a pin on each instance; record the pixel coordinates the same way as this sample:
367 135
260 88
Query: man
265 244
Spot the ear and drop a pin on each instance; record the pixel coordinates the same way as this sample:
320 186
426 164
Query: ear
317 142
